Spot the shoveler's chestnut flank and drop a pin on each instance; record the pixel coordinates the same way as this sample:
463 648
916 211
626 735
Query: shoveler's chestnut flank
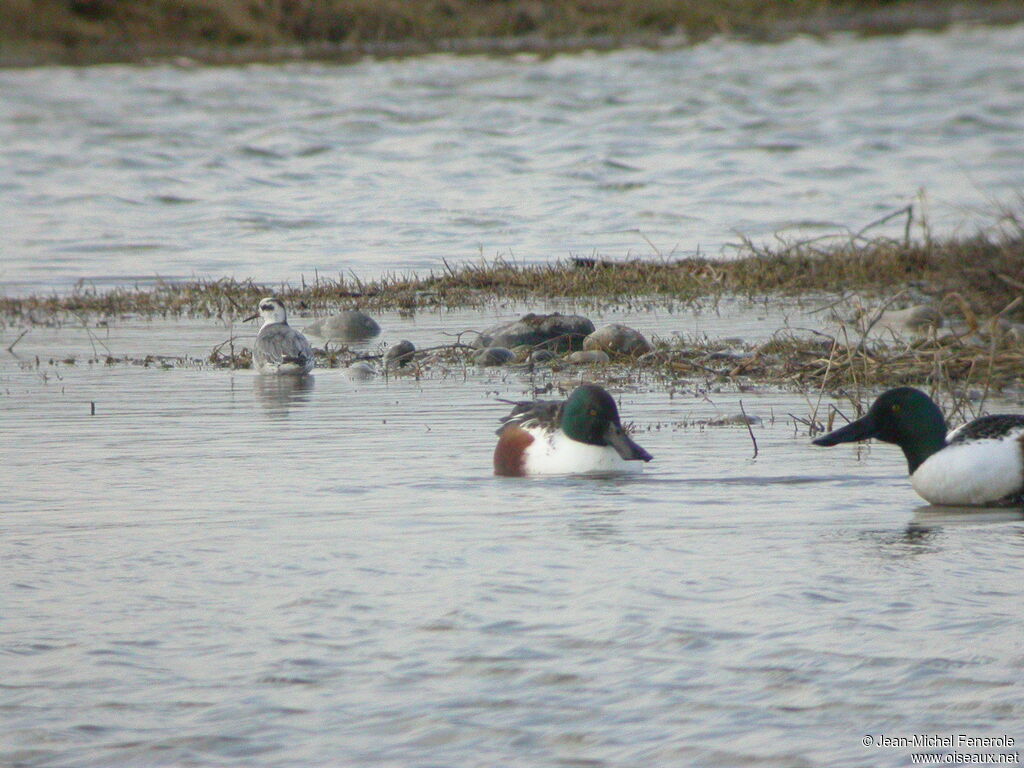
581 435
978 464
279 348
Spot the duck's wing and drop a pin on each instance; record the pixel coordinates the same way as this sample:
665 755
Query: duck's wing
987 428
280 343
533 413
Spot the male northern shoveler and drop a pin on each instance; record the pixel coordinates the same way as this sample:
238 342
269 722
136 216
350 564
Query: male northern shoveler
279 348
580 435
978 464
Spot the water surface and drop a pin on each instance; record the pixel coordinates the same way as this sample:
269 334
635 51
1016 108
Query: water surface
204 567
219 569
113 174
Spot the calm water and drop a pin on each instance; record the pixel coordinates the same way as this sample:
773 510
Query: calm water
115 172
215 569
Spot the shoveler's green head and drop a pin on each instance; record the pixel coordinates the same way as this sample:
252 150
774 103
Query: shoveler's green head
904 416
590 416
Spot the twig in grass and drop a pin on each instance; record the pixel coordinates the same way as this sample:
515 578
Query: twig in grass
969 317
215 352
798 420
458 336
648 241
824 380
93 338
450 347
11 347
750 431
993 341
876 318
907 210
843 298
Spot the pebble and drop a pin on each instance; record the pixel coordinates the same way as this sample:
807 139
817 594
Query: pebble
400 353
557 331
361 371
617 339
589 357
491 356
351 325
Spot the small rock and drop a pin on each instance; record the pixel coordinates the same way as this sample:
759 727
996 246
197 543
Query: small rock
589 357
492 356
400 353
542 356
361 371
737 419
556 331
617 339
352 325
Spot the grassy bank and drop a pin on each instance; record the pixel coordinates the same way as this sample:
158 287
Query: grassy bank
986 271
978 282
82 31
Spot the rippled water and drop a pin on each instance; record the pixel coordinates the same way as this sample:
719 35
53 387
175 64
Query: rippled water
118 173
216 569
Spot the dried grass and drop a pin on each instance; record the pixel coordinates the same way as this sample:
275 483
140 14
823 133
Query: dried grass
105 30
982 277
986 272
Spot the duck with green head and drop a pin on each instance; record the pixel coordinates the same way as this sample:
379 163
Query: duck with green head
581 435
980 463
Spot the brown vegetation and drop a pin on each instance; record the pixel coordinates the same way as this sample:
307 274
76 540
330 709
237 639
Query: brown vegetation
224 30
987 271
981 278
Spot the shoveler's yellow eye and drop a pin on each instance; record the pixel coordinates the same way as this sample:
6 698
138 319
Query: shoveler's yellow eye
895 407
593 412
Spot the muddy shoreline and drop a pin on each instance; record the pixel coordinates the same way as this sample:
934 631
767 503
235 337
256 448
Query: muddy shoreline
99 33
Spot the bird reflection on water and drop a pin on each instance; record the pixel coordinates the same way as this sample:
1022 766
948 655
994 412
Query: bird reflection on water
278 394
928 518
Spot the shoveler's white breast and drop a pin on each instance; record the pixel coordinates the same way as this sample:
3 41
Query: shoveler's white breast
553 453
973 473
